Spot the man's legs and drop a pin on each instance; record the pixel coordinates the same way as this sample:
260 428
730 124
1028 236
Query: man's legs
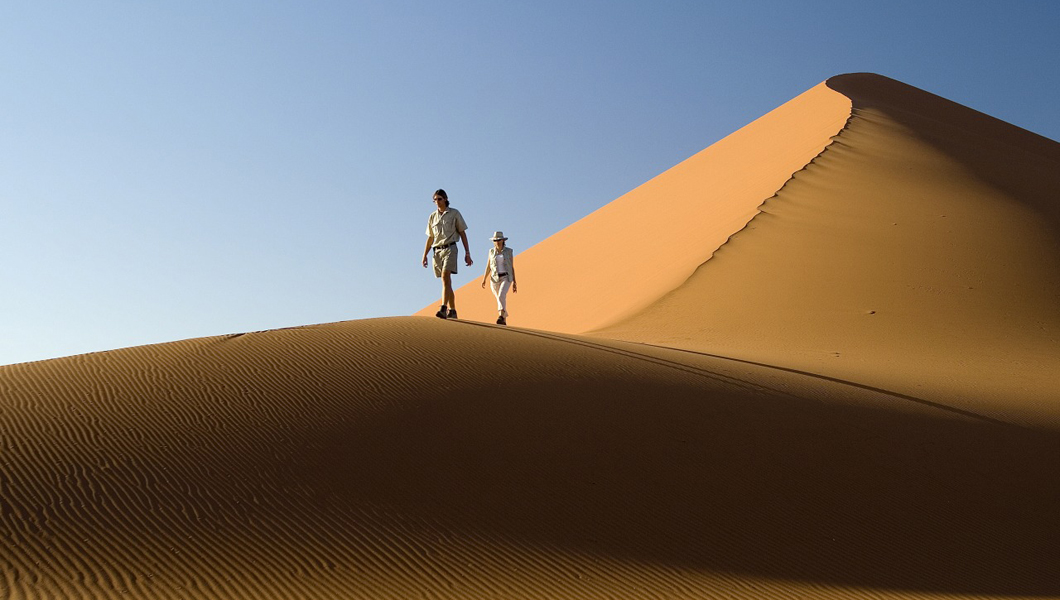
448 296
444 267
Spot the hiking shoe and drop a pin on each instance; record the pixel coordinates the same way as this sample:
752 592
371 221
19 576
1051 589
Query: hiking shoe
452 313
501 321
441 312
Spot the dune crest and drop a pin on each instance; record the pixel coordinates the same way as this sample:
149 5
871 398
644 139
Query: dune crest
651 239
920 252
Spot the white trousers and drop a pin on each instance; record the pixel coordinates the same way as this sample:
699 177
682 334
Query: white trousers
500 290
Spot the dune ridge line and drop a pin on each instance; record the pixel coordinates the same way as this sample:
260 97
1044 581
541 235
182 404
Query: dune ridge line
676 220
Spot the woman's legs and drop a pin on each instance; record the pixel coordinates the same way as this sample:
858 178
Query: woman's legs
500 290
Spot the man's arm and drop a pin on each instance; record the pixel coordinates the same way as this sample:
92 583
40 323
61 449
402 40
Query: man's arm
467 251
426 249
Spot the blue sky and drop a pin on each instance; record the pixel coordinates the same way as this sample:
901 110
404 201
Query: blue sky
172 169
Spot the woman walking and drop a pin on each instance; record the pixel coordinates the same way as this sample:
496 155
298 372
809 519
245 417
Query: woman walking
500 269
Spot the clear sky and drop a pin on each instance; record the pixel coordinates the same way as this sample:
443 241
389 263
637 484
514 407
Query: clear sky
173 169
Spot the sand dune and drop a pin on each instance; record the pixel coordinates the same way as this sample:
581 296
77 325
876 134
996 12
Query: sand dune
919 252
337 462
647 242
853 397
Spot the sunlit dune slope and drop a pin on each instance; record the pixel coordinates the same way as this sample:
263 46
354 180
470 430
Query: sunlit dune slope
920 252
633 250
409 457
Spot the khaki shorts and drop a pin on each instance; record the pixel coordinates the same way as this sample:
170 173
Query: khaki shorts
445 260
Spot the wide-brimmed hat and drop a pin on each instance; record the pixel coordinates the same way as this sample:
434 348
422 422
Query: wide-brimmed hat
498 235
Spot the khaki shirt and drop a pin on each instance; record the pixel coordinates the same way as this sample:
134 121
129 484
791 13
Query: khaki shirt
445 227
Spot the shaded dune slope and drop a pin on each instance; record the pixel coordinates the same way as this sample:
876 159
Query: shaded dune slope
343 461
633 250
920 252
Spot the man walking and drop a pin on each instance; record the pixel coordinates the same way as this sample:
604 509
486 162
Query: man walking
444 226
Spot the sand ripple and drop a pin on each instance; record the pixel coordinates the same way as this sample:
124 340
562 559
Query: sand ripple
344 461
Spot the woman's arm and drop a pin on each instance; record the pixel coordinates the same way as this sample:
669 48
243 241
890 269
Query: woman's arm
511 271
489 262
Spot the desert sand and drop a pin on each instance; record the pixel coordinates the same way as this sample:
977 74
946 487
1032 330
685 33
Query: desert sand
836 380
663 229
920 253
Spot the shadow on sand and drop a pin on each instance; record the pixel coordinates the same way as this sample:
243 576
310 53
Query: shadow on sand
739 481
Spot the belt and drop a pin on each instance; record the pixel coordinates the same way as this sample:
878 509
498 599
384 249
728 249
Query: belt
502 274
445 246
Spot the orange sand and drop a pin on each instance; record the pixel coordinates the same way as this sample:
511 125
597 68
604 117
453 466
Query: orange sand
919 253
647 242
855 397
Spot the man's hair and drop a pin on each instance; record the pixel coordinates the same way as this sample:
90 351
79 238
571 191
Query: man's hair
444 196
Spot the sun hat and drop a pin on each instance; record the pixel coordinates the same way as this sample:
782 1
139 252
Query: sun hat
498 235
